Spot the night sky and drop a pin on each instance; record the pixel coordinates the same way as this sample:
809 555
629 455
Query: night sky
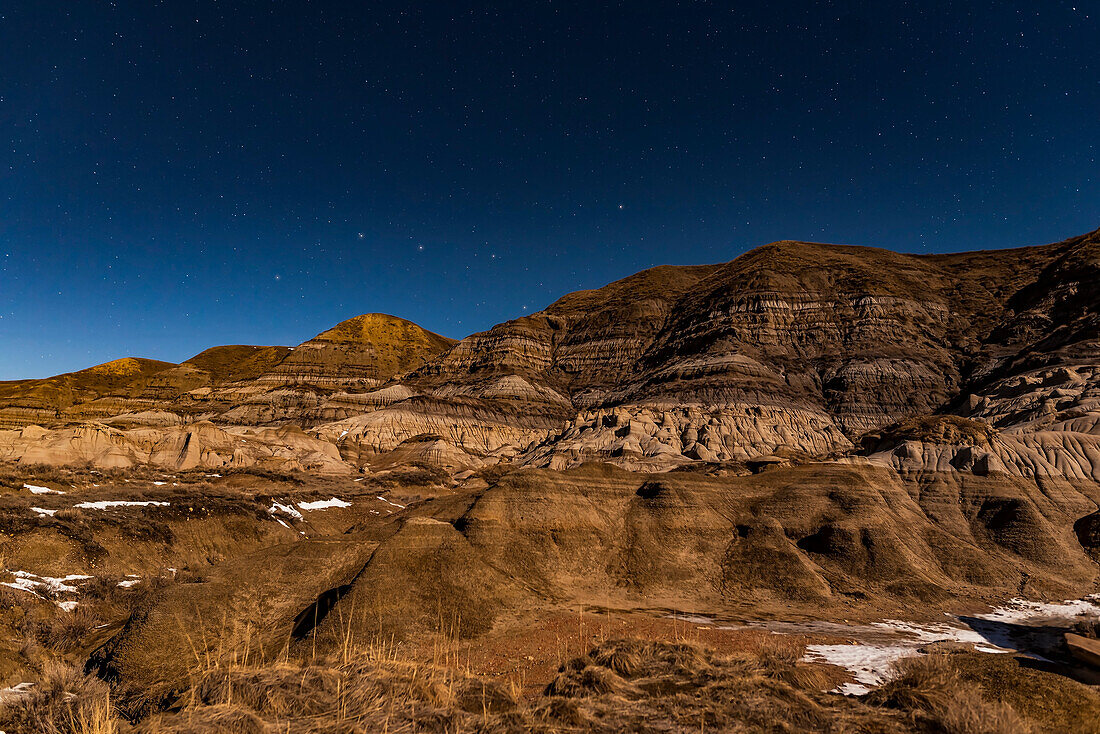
175 175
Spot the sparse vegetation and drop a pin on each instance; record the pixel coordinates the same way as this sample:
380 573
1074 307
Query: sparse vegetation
62 701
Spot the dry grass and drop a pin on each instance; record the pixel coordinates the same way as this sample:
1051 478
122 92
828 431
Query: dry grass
619 685
936 697
62 701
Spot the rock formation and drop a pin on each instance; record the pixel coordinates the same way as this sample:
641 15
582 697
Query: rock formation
796 349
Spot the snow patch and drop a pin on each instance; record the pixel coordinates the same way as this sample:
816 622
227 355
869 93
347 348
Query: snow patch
323 504
35 489
872 663
29 581
1021 610
105 504
43 512
286 509
692 618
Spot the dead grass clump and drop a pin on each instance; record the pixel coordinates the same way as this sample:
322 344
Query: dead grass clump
1088 627
364 692
686 687
270 475
621 656
276 689
63 701
478 696
779 658
65 632
933 693
580 678
42 472
216 719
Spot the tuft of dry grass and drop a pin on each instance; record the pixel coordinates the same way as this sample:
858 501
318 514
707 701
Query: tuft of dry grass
933 693
62 701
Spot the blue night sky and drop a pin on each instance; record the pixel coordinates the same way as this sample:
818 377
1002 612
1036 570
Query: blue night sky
176 175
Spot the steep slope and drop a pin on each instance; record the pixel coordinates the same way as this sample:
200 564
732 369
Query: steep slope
238 362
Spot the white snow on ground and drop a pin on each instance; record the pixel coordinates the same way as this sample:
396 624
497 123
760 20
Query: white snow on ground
692 618
128 583
35 489
872 663
105 504
41 586
160 484
931 632
286 509
390 503
869 664
1021 610
33 582
43 512
323 504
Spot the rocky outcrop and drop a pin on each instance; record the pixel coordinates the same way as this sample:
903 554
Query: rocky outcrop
479 429
648 438
198 445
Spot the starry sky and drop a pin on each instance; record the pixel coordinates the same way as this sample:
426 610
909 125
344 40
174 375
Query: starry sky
175 175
